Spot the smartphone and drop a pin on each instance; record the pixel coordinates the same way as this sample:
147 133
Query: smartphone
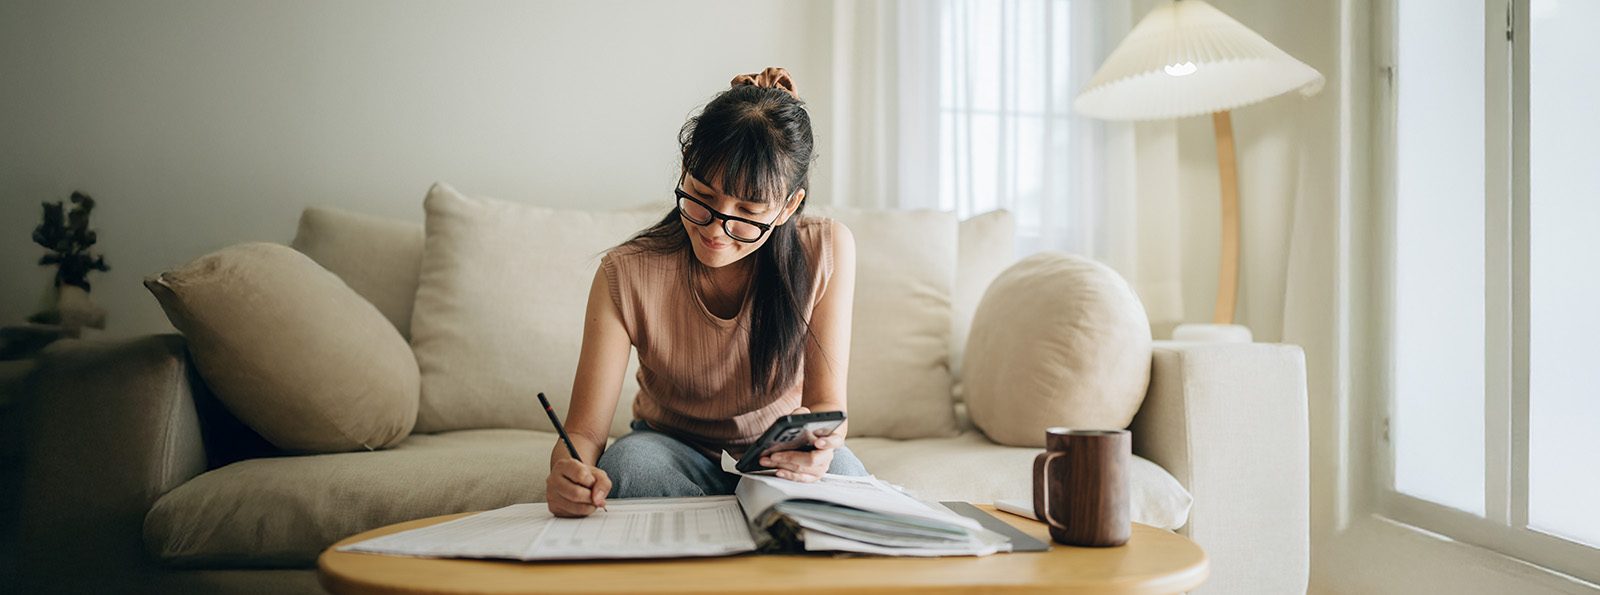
790 432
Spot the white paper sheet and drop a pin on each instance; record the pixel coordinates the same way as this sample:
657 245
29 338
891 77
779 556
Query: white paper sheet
1021 507
866 493
629 528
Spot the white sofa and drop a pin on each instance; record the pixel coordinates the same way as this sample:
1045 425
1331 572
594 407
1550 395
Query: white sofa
139 479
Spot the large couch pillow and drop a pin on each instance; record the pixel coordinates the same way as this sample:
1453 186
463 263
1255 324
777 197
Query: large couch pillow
378 257
291 350
500 307
899 385
1058 340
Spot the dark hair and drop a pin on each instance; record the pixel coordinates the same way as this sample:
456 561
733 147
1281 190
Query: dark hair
755 141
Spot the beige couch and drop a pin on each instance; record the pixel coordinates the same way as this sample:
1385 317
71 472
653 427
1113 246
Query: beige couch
139 479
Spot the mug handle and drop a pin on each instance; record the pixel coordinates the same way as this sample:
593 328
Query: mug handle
1041 488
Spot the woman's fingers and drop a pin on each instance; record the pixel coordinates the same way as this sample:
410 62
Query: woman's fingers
576 494
800 465
575 489
796 476
577 472
571 509
601 487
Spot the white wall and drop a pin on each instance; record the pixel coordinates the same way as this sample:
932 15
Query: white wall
199 124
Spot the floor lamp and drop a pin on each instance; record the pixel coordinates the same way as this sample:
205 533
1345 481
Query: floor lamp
1187 58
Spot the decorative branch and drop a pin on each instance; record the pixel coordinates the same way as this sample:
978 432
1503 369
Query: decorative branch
68 237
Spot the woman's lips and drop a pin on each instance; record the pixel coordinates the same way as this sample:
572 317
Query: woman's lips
714 245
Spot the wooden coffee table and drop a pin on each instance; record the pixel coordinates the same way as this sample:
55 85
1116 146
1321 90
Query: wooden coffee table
1153 562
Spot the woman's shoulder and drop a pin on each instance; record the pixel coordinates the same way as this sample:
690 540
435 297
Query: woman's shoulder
820 233
825 241
637 255
816 234
818 228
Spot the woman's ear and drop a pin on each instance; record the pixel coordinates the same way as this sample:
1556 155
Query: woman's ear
794 205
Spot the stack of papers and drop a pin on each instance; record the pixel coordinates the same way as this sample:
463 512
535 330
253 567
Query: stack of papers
857 514
836 513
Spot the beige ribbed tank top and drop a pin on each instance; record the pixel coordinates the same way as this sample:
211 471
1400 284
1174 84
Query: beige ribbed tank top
694 368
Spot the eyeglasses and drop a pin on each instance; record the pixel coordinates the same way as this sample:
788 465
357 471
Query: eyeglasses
738 228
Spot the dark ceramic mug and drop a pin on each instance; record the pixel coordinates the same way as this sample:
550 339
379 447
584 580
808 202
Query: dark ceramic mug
1080 486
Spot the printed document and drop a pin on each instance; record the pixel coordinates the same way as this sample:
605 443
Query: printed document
628 528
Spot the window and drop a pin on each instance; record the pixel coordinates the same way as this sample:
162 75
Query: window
1007 136
1491 318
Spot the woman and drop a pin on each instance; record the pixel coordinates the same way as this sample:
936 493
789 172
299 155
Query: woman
739 308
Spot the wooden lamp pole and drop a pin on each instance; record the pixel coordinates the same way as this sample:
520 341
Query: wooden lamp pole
1228 266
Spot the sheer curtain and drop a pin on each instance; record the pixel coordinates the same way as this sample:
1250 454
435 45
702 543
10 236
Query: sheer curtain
1007 74
966 106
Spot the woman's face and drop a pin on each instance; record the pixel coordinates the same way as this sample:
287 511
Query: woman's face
711 242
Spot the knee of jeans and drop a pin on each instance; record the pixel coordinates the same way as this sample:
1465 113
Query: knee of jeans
630 452
640 469
652 481
846 463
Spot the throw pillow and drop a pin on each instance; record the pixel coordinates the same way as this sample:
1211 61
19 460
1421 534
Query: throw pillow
376 256
899 384
1058 340
500 307
291 350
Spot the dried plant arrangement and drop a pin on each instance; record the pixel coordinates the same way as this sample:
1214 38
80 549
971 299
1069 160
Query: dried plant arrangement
68 237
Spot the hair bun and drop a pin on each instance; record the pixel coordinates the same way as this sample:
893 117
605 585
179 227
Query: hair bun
776 78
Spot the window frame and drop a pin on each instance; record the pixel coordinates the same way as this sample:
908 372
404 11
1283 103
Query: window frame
1503 528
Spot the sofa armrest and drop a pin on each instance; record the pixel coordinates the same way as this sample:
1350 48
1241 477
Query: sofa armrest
112 427
1228 420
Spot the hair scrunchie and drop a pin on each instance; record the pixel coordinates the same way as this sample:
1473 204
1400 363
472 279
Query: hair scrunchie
776 78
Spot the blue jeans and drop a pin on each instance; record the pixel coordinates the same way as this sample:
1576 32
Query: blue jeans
649 464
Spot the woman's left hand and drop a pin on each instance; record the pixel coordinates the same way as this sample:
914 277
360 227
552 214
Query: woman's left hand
809 465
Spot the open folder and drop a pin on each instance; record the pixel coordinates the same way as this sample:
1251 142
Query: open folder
835 513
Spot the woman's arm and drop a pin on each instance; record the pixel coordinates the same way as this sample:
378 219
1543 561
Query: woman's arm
828 357
827 361
576 488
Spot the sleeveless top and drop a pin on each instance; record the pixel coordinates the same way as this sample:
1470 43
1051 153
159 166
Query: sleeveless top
694 368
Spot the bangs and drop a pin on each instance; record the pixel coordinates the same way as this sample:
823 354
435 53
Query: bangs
740 159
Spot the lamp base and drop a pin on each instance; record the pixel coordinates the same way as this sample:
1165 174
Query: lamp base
1212 333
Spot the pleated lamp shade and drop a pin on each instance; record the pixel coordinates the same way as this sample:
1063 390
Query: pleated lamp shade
1187 58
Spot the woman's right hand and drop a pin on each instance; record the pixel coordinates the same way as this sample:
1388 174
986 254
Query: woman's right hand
574 489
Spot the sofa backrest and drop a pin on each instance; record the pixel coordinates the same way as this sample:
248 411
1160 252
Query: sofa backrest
920 275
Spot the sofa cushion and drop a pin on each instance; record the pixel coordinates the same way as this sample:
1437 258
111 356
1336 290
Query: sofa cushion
987 245
970 468
899 385
1058 340
284 511
500 308
291 350
378 257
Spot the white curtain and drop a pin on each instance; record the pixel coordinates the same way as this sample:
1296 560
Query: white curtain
966 106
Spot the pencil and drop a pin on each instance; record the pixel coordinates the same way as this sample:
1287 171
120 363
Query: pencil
559 430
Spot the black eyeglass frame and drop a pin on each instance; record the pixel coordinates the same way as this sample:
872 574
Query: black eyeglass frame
715 215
